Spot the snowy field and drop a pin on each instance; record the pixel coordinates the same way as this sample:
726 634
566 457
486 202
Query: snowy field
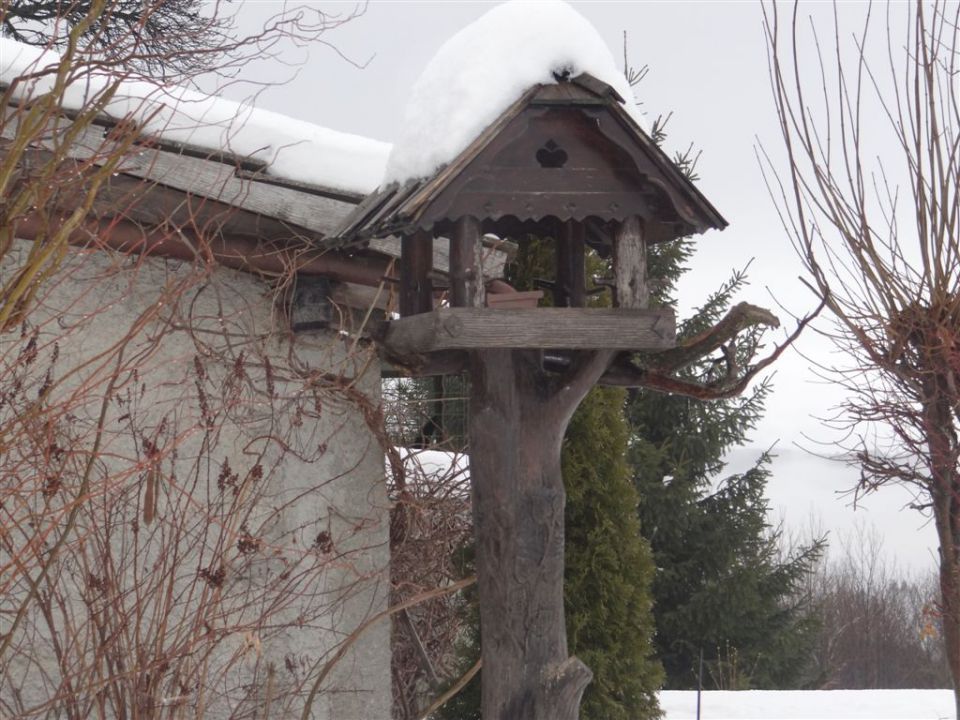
810 705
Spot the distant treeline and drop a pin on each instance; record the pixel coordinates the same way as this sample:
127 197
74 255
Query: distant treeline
879 627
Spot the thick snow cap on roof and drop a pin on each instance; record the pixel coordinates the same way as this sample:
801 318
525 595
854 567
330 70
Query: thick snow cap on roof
486 67
292 149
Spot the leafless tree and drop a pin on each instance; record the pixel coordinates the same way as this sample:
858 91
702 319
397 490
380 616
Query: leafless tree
431 528
153 552
168 39
870 610
869 194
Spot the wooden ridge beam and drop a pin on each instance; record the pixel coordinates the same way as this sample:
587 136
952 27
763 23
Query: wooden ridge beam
641 330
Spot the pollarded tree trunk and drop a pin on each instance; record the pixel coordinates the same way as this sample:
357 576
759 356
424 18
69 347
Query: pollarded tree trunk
941 439
518 416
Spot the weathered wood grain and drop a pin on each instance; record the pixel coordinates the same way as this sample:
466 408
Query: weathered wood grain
466 253
416 260
630 265
570 288
518 505
517 421
206 177
542 328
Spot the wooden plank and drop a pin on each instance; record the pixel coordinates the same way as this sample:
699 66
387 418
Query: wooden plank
600 88
155 204
463 262
88 141
630 265
408 291
262 175
422 262
103 124
218 181
198 176
542 328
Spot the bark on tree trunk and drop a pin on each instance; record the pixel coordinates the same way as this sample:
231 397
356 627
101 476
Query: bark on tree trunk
945 487
518 418
946 516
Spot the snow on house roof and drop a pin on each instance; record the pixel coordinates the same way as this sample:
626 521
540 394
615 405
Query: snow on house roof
292 149
479 72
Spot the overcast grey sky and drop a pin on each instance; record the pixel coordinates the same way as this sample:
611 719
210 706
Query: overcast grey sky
708 67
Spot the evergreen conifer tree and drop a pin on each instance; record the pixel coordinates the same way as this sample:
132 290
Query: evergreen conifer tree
722 585
609 566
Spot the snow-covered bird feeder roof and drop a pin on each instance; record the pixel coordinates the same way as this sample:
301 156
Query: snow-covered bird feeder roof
485 68
524 119
568 150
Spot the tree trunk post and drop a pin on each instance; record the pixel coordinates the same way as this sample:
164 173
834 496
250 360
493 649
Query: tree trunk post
518 417
516 428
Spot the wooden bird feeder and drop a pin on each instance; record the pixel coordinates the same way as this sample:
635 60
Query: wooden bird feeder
567 162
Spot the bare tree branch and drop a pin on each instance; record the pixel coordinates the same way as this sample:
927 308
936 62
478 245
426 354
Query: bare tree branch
885 263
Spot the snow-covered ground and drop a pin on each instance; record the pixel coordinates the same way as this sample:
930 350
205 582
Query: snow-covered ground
810 705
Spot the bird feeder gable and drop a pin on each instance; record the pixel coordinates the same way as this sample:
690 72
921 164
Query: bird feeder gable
564 151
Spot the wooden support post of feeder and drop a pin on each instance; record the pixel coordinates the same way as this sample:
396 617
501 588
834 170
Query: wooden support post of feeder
572 239
570 287
416 261
518 417
562 253
466 264
630 265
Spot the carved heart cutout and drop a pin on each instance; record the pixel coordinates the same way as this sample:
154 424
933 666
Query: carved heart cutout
551 155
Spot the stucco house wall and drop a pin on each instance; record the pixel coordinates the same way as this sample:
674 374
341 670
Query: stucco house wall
220 482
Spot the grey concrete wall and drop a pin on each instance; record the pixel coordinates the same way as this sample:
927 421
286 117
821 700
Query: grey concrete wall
222 483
